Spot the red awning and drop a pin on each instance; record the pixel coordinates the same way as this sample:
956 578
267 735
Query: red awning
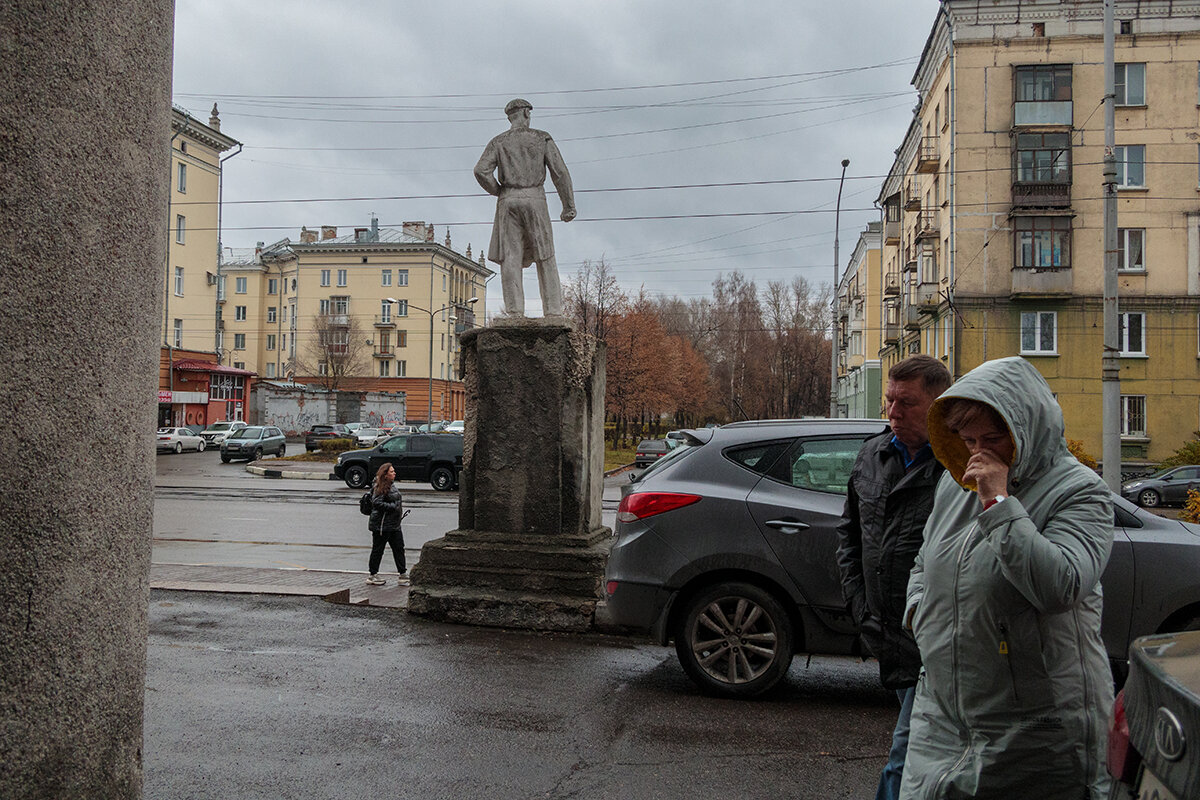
195 365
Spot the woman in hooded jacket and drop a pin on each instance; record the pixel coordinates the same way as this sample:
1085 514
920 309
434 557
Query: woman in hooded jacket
1004 601
387 510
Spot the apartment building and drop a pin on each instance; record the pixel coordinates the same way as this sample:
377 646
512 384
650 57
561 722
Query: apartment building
992 212
860 295
376 309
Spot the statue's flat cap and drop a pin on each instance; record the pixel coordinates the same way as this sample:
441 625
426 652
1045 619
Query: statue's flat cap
513 105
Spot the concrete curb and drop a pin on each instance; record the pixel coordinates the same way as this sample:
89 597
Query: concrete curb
268 472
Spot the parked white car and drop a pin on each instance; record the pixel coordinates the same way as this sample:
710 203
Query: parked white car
215 433
457 426
368 437
178 439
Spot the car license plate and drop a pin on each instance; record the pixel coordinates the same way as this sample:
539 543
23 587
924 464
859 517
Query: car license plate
1151 787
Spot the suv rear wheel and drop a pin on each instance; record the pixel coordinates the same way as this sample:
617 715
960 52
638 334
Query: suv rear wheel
442 479
734 639
356 476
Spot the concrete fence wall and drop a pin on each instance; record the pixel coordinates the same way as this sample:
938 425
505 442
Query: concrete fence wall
295 410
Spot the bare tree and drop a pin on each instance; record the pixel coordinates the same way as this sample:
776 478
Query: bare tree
594 299
336 349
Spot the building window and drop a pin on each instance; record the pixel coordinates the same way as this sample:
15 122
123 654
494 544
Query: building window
270 341
385 278
271 314
1131 166
1133 334
322 368
239 341
385 368
1042 242
401 338
385 311
180 228
402 277
1131 249
341 277
402 308
239 365
178 333
271 370
239 286
181 178
1043 95
283 341
1133 415
272 286
401 369
239 313
179 281
324 307
325 277
341 305
1130 84
1039 333
1042 158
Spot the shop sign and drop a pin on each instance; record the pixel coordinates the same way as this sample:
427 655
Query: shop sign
164 396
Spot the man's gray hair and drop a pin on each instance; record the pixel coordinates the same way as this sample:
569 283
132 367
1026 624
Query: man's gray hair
929 369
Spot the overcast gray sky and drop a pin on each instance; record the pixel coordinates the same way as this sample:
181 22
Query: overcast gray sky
394 103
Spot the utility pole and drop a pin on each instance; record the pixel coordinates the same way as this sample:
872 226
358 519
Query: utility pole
1110 364
833 345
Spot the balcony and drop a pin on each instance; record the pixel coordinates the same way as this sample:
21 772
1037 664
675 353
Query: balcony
927 225
912 203
912 318
928 296
384 321
910 265
337 320
1042 282
891 333
1044 194
891 232
385 352
843 313
927 156
891 284
1042 112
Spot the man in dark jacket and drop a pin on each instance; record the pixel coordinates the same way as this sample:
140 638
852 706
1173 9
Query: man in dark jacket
889 497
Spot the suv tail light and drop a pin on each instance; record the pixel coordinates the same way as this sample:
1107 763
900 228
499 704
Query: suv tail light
1122 758
641 505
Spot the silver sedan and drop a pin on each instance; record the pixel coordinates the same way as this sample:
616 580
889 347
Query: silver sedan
178 440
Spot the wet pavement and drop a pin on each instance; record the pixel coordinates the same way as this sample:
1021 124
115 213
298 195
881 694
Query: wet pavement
255 696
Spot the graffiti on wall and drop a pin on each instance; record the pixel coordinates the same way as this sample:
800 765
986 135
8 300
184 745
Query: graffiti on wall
293 424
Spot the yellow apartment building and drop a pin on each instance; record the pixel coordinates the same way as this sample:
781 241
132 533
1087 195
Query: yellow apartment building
386 304
860 295
992 211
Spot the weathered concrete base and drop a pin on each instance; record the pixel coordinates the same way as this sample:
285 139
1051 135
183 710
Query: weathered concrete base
530 549
487 578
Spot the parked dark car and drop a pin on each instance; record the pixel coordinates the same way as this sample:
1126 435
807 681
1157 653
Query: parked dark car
323 433
252 443
728 547
436 458
1154 743
1170 486
650 450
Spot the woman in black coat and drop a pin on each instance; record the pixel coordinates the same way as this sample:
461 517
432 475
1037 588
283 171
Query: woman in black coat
387 509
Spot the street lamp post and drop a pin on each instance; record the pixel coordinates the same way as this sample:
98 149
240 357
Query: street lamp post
432 314
833 345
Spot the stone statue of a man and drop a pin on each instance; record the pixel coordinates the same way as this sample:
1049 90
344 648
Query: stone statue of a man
521 234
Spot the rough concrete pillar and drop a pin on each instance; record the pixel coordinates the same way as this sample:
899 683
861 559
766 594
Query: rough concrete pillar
85 168
530 549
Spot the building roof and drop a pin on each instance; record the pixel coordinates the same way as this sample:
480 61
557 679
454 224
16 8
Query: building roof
196 365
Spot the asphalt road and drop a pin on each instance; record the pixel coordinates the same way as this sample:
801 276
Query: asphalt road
206 512
273 697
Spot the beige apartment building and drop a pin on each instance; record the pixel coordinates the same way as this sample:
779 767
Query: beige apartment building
376 308
860 295
993 237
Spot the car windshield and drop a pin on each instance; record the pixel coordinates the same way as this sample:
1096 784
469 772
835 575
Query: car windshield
219 426
669 458
246 433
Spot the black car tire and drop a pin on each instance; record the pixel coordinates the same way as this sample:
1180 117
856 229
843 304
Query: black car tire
200 448
178 448
1148 498
224 458
356 476
442 479
257 454
734 639
282 450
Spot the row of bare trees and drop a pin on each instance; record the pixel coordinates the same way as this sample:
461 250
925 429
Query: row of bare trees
741 354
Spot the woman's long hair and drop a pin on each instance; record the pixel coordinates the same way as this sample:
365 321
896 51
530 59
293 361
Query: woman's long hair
383 481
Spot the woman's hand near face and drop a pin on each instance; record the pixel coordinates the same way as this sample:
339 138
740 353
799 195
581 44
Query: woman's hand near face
989 473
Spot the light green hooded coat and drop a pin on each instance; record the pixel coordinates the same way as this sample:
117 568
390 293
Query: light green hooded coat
1005 604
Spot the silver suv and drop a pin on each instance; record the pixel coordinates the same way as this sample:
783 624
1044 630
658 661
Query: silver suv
728 546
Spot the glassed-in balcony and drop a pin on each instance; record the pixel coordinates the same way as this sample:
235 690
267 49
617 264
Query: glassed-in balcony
1043 112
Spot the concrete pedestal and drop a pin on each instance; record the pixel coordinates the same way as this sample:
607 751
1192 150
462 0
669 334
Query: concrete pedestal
530 548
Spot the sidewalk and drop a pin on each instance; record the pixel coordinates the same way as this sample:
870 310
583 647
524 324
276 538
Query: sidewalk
333 586
302 470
